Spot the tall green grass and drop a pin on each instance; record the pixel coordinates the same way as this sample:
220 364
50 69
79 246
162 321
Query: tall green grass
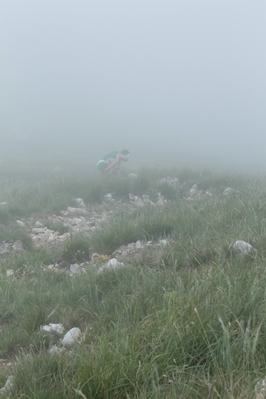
185 320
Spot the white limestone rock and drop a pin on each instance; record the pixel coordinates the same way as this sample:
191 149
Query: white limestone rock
80 203
242 248
8 385
133 198
108 198
75 268
71 336
111 265
193 191
20 223
53 328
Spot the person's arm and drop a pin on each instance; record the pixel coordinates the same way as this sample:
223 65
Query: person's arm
113 163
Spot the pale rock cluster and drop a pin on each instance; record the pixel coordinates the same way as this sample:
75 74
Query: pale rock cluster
53 328
8 247
132 175
108 198
78 219
70 338
44 237
195 192
170 181
73 220
145 199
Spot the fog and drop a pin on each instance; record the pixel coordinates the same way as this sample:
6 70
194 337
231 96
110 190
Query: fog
171 81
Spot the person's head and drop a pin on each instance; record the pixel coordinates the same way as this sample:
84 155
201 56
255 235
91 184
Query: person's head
125 154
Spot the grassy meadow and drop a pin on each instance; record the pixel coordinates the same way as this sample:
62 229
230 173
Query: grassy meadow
182 320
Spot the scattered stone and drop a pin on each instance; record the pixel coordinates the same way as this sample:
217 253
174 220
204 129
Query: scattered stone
261 388
171 181
10 273
78 211
146 198
160 199
228 191
39 230
108 198
55 350
71 336
46 329
75 268
243 248
132 175
111 265
3 248
139 202
193 191
208 193
163 242
38 224
53 328
134 245
80 203
20 223
52 267
8 385
133 198
17 246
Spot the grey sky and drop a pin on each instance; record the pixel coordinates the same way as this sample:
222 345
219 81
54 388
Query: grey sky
181 79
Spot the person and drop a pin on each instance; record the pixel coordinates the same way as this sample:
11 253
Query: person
110 163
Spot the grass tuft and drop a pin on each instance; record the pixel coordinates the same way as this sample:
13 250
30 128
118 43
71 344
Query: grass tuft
76 249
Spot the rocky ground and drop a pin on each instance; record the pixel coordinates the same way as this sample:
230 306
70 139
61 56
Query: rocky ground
52 231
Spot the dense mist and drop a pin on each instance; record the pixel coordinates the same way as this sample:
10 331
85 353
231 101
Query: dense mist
172 81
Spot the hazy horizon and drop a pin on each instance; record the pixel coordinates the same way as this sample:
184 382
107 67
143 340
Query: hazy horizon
173 80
